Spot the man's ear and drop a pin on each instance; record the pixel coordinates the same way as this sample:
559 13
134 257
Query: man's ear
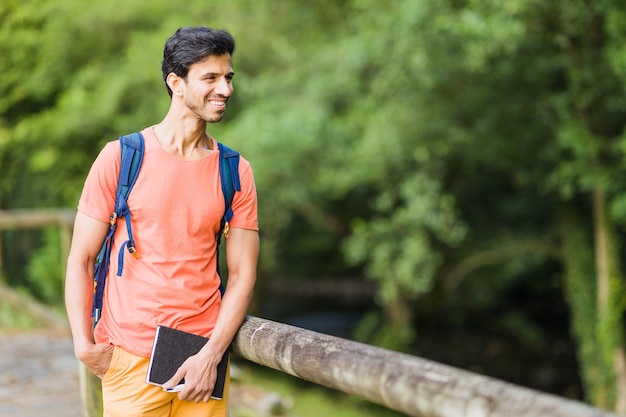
175 83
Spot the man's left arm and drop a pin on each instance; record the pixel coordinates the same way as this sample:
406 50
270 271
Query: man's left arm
200 371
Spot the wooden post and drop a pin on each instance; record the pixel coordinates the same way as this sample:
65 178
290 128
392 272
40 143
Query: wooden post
90 392
401 382
65 234
38 218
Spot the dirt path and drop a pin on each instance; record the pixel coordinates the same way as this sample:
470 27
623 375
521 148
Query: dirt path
38 375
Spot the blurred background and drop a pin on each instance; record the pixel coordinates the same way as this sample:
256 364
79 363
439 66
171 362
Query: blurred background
442 178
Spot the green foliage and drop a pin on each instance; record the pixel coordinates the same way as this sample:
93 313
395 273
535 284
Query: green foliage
398 245
428 146
44 274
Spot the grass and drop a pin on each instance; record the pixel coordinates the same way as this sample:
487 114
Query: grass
13 318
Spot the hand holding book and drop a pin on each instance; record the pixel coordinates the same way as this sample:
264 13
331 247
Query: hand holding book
171 349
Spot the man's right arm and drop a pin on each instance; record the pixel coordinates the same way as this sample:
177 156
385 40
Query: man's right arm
89 234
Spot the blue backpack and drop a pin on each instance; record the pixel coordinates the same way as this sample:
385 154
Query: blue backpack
132 156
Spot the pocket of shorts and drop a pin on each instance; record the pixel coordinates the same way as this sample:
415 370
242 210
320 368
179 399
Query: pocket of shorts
114 364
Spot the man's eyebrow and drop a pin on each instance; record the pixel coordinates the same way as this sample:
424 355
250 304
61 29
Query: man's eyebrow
214 74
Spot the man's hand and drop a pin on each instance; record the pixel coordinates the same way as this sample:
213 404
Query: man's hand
97 358
200 373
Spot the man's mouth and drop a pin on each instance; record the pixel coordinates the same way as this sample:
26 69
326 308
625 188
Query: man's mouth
218 103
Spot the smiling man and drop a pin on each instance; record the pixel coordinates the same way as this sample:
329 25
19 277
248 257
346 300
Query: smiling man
176 206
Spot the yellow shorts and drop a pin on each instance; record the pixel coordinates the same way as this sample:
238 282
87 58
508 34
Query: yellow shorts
126 394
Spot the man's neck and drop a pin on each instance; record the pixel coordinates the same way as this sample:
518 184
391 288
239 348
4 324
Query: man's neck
185 139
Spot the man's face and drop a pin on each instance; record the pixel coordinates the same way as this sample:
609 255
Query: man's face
208 86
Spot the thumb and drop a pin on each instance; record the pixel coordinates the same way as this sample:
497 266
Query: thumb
175 380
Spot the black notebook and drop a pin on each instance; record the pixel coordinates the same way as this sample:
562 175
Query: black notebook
171 348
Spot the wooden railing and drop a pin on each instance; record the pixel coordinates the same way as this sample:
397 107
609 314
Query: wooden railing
408 384
38 218
405 383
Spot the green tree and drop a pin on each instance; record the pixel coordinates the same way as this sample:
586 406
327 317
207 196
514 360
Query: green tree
450 151
590 138
464 133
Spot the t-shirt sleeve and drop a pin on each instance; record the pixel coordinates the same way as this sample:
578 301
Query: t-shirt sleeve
245 201
98 197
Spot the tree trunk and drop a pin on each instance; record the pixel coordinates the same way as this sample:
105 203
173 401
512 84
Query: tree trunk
397 332
595 304
580 292
610 295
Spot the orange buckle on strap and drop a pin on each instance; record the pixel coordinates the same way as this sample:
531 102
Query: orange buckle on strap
132 250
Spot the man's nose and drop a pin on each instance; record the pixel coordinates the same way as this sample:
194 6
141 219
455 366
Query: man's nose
224 87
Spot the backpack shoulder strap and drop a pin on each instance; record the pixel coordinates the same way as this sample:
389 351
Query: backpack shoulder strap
229 177
132 149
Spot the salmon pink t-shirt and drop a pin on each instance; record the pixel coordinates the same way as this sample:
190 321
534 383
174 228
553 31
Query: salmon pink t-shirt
176 207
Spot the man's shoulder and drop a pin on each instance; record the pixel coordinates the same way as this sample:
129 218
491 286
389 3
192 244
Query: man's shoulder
108 152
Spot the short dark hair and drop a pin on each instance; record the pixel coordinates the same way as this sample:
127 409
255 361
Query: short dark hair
190 45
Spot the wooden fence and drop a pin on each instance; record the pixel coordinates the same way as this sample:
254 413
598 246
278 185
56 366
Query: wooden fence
39 218
409 384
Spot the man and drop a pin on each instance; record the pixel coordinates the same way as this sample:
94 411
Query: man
176 207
